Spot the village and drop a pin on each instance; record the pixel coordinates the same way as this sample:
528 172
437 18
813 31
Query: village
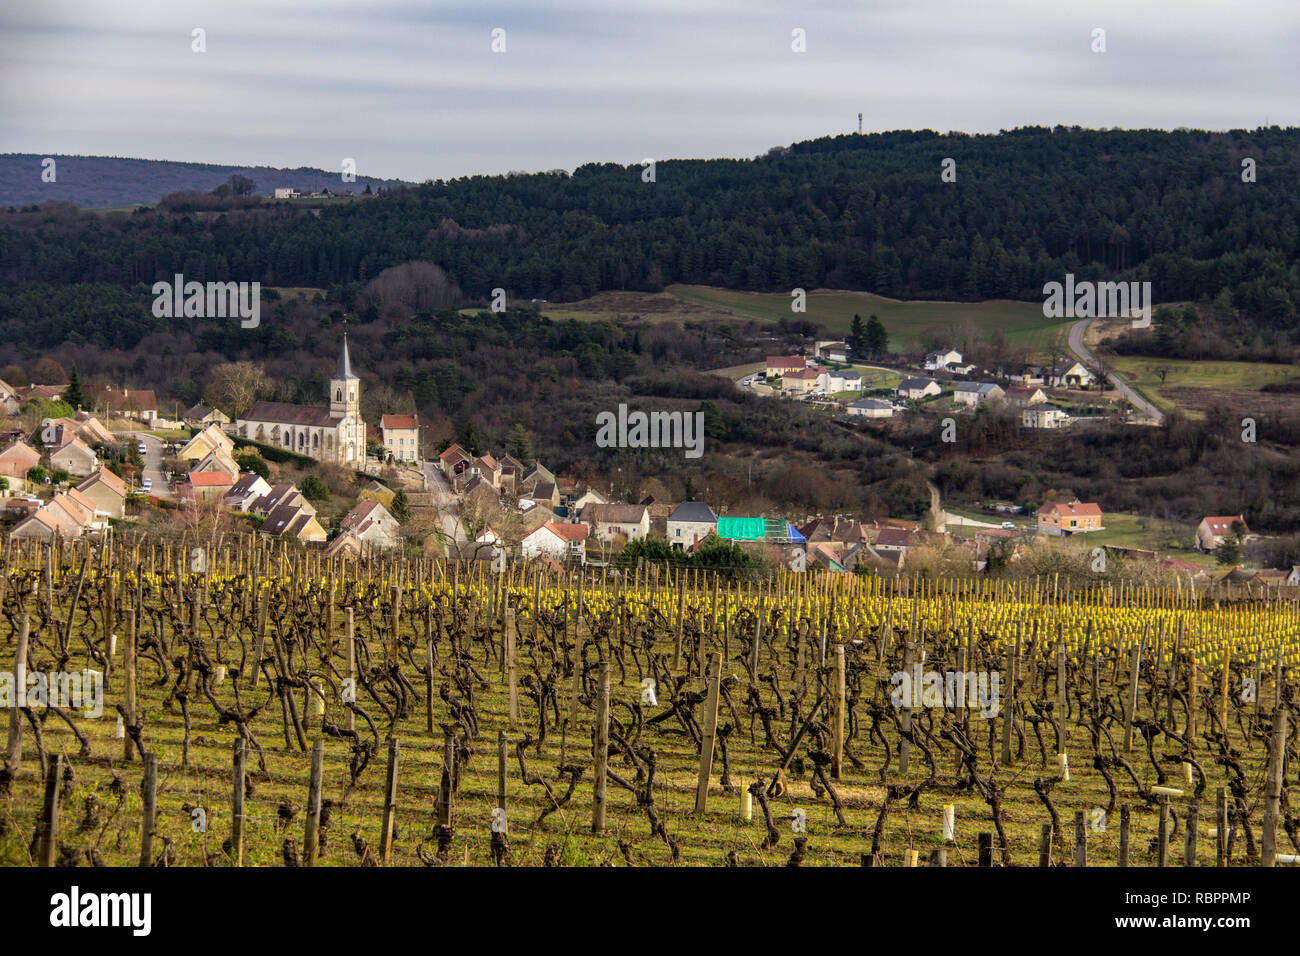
107 465
1043 397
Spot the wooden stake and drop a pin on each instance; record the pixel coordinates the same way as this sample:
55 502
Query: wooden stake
149 812
390 803
311 838
14 743
48 844
237 804
601 749
1273 788
710 732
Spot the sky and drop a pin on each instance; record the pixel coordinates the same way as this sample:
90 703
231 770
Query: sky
412 89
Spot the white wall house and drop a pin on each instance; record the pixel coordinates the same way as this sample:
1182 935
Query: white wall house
942 360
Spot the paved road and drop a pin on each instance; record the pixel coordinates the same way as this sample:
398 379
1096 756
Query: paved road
153 458
444 500
1077 331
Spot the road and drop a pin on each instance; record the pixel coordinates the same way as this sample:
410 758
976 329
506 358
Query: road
1077 331
444 499
153 458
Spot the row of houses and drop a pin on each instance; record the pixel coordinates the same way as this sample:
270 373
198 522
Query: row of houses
88 507
1065 374
1031 400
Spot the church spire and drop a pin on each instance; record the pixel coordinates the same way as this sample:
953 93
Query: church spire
345 361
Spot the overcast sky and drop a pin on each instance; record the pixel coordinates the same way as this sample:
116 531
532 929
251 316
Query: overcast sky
411 88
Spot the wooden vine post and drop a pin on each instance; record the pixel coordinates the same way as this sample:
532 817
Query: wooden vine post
710 733
311 838
600 749
390 803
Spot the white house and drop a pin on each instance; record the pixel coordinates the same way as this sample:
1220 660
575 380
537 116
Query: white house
372 524
870 408
1074 375
246 490
690 523
918 388
554 538
941 360
844 381
589 497
401 436
1044 416
833 351
617 521
976 393
75 457
286 192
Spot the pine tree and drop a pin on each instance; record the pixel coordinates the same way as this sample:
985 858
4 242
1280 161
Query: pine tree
857 337
877 339
72 394
519 446
469 437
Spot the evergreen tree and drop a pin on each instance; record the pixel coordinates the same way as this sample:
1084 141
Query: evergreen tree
519 445
468 438
877 339
400 509
72 394
857 338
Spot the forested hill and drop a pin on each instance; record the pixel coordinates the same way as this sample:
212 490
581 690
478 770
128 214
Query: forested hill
858 212
94 182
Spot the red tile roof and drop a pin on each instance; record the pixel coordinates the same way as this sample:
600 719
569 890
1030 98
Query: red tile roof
1075 509
566 531
210 479
400 421
1222 524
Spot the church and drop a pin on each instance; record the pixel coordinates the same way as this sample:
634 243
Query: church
335 434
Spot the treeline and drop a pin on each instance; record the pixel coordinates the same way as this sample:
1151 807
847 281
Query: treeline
857 212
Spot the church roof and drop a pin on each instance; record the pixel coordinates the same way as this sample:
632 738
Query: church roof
283 413
345 361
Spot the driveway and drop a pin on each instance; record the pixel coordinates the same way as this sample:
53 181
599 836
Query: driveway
1077 331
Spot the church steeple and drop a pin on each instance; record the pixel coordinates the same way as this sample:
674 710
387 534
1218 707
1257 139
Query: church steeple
345 361
345 387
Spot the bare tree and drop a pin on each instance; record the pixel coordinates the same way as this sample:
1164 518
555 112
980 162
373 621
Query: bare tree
233 387
412 287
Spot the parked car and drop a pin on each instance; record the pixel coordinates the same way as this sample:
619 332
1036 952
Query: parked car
146 485
1009 525
142 448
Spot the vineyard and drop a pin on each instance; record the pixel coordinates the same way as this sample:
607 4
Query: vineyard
266 707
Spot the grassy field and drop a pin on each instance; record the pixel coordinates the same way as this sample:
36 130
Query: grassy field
906 322
1208 378
1022 322
1120 531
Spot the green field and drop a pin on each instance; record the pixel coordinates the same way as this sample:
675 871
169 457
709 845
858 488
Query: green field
906 322
1144 375
1119 531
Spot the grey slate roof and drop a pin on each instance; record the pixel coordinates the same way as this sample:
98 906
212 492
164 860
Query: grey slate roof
345 361
696 511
